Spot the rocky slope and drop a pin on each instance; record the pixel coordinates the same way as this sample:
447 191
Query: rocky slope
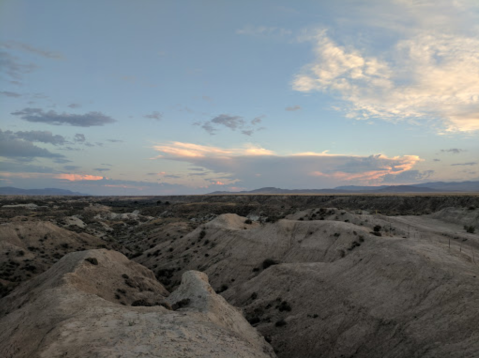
81 308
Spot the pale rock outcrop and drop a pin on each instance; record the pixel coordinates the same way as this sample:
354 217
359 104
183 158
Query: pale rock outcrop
74 310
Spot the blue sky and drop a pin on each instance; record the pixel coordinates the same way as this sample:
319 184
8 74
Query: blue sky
177 97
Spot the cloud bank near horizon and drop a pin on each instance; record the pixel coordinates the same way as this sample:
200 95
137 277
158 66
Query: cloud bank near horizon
253 166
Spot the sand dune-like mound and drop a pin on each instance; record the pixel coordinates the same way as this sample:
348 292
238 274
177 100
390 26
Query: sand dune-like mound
81 307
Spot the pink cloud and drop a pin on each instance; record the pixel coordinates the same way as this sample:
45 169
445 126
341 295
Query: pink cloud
77 177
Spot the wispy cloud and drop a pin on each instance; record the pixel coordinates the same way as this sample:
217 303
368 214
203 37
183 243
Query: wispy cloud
293 108
464 164
13 45
40 136
251 30
79 138
154 115
229 121
453 150
13 67
10 94
37 115
77 177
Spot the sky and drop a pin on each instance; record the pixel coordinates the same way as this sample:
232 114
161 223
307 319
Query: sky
152 97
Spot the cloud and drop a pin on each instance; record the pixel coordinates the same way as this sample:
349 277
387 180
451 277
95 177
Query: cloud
77 177
190 150
467 163
37 115
228 121
418 79
232 122
71 167
154 115
10 94
453 150
12 45
13 67
41 136
74 105
247 132
79 138
257 120
115 140
264 31
437 160
101 169
17 166
61 160
12 147
408 177
255 166
293 108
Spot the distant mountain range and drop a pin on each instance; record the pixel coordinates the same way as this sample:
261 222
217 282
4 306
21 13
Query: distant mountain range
433 187
8 190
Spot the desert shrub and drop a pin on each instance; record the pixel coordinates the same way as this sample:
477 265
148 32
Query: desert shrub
202 234
248 221
180 304
30 268
254 320
377 228
269 262
92 260
130 282
470 229
337 234
280 323
222 288
4 290
284 306
354 244
141 302
254 296
136 254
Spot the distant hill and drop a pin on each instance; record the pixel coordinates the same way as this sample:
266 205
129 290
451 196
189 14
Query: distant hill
272 190
8 190
433 187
